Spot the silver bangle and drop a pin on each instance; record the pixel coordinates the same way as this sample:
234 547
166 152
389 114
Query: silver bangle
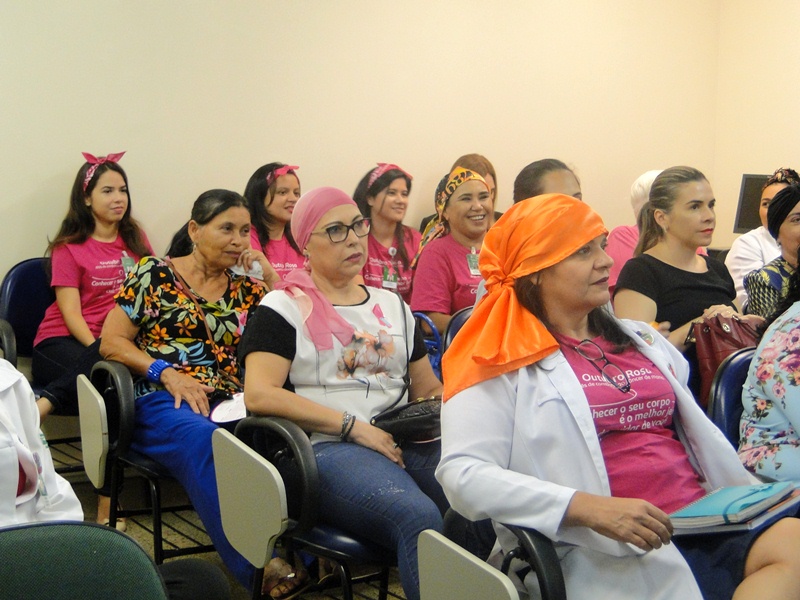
347 424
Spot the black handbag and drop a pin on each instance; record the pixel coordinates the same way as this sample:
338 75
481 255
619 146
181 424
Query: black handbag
417 421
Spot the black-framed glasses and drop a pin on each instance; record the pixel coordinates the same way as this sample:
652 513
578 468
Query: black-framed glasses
338 233
610 372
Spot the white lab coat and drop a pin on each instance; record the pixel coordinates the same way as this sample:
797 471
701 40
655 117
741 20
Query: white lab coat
47 496
517 447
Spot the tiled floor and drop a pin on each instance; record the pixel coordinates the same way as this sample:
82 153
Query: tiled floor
177 530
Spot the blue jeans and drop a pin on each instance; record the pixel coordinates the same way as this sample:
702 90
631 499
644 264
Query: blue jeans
367 495
180 440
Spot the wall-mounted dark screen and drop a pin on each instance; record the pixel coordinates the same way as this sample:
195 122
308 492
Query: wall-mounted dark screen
749 199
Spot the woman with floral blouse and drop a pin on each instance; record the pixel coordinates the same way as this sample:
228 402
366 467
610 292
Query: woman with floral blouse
770 442
176 325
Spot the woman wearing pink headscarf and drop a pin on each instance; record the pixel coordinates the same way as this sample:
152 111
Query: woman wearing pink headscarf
329 354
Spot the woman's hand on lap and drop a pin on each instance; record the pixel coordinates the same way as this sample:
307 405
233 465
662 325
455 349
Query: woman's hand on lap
377 439
628 520
186 389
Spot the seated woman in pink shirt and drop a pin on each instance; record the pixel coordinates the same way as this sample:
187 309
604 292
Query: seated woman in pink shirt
622 239
382 197
271 194
98 243
447 274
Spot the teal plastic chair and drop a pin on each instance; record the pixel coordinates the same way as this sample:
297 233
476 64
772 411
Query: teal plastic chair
68 560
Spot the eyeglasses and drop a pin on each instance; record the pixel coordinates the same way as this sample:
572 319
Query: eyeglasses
339 232
610 372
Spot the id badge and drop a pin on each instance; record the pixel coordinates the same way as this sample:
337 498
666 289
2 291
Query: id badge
127 263
389 278
472 263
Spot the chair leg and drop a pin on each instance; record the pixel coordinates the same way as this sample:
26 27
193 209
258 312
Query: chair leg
258 580
117 474
158 541
383 594
347 581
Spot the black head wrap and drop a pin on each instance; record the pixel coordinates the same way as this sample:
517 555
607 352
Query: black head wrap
780 207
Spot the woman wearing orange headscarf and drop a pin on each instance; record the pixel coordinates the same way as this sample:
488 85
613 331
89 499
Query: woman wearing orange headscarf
560 417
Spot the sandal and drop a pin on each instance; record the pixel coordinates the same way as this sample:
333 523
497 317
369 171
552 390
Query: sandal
328 573
102 507
284 582
121 525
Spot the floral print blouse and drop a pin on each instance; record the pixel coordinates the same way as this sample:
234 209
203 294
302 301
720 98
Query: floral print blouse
171 326
770 444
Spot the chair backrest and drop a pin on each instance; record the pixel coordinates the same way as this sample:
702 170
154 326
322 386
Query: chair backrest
433 342
94 431
446 570
8 341
75 560
454 326
25 295
252 498
725 397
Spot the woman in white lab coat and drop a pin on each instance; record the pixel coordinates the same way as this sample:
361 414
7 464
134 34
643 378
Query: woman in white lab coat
581 425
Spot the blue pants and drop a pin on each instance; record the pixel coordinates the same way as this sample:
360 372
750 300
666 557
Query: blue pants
180 440
367 495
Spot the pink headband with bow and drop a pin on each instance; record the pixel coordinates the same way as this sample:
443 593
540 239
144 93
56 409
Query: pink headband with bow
383 168
272 176
96 162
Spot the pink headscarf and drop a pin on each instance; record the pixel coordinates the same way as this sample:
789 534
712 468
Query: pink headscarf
321 322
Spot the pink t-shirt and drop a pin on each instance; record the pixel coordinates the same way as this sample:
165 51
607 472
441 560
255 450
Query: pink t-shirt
384 269
95 268
621 243
280 253
443 282
643 456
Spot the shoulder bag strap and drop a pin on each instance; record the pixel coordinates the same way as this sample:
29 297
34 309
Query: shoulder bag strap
406 376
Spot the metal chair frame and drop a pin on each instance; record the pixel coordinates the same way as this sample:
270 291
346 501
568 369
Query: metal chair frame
288 447
114 382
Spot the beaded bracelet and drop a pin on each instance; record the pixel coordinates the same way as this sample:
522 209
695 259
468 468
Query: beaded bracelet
156 369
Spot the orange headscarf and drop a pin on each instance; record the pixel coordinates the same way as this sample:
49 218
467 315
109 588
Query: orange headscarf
502 335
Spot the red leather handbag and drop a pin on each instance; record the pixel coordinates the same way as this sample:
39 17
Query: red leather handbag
715 339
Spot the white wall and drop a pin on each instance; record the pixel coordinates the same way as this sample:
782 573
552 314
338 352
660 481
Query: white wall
757 118
200 93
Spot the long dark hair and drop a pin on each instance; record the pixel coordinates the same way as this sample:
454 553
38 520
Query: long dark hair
529 181
529 294
79 223
207 206
364 191
256 193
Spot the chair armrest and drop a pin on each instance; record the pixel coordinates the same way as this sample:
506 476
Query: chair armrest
94 430
252 498
9 342
115 383
287 446
540 553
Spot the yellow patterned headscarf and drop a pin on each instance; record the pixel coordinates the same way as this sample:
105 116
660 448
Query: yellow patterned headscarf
436 228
